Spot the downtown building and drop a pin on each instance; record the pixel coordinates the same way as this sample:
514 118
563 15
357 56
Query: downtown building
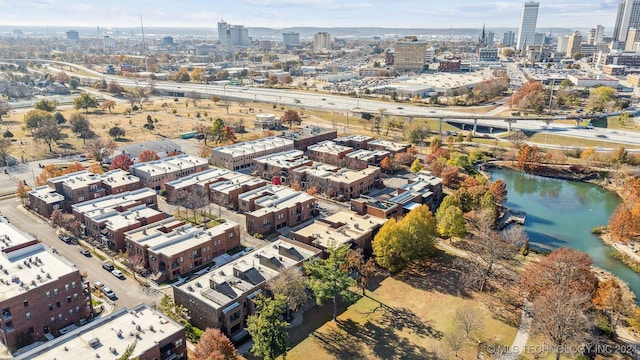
527 30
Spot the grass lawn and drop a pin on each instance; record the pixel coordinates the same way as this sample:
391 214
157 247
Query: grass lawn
407 316
542 138
615 122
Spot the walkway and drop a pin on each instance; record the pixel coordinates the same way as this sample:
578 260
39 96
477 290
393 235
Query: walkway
520 341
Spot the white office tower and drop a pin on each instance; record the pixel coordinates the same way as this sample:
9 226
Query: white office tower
599 36
563 41
527 31
321 42
628 17
509 38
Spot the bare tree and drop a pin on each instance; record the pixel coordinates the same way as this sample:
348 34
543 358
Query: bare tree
468 319
455 340
293 285
100 149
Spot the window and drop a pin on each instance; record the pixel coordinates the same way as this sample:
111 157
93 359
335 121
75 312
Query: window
55 291
75 296
6 313
48 294
73 284
280 216
70 312
178 343
57 304
9 326
66 287
80 198
53 319
231 234
68 299
50 307
78 309
60 317
26 303
28 316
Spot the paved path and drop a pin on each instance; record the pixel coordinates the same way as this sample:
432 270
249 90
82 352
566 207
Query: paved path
520 341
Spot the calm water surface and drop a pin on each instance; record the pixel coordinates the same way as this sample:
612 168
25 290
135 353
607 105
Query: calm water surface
562 213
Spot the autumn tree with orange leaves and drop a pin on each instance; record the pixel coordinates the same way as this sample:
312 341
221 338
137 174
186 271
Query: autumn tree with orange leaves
530 96
528 158
624 223
51 171
148 155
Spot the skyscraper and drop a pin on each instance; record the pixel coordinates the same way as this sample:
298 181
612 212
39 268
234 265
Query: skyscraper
321 41
509 38
233 35
527 30
290 39
573 44
628 17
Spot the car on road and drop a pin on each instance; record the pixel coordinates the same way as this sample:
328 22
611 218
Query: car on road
117 273
108 292
108 266
85 252
601 136
399 107
66 239
98 285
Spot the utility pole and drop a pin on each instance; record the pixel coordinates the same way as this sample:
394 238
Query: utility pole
144 46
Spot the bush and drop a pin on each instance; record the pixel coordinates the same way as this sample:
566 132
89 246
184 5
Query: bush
598 230
163 192
174 111
135 108
7 134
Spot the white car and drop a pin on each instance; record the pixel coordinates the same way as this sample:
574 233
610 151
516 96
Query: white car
117 273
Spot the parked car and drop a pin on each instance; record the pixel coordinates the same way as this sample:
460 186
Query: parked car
98 285
85 252
65 238
108 292
117 273
108 266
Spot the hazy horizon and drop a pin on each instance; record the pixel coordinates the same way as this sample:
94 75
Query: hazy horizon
405 14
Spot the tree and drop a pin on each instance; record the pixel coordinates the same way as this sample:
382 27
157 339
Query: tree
5 145
292 284
34 118
600 98
386 165
221 133
4 108
62 77
204 151
85 101
100 149
57 218
59 118
214 345
182 75
416 166
80 125
634 319
23 191
108 104
148 155
149 125
498 190
126 355
45 105
365 270
455 340
291 117
330 278
528 158
415 134
48 131
267 330
469 319
452 222
203 130
117 132
197 74
530 96
398 244
95 168
615 300
74 83
122 161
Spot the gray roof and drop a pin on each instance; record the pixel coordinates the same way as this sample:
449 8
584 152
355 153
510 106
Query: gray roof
161 146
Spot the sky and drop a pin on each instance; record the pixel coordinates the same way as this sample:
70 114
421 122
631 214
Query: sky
307 13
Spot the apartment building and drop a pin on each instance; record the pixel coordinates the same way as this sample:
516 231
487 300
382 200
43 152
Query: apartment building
390 146
226 191
171 248
424 181
45 200
119 181
198 183
361 159
339 229
374 206
156 337
279 165
241 155
354 141
111 225
154 174
309 135
272 207
329 152
223 298
41 291
335 182
77 187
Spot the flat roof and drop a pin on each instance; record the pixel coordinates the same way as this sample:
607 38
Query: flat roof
77 179
285 159
341 228
115 332
235 181
26 268
99 205
336 174
389 145
130 217
353 137
363 154
118 177
329 147
306 132
246 273
271 198
46 194
169 165
199 178
251 147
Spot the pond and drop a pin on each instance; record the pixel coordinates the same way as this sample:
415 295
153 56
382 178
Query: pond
563 213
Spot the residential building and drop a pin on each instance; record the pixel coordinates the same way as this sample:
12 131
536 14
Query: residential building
272 207
45 200
226 191
527 30
336 182
233 35
354 141
280 165
628 17
410 55
598 37
241 155
309 135
41 291
374 206
563 41
110 225
594 81
77 187
223 298
154 174
488 54
163 147
634 80
633 37
342 228
290 39
118 181
390 146
573 44
424 179
267 122
155 336
361 159
170 248
197 183
509 38
322 42
329 152
615 70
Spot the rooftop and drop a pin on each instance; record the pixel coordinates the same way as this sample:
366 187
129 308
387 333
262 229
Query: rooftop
305 132
389 145
169 165
118 220
329 147
340 228
145 326
336 174
235 181
77 179
160 146
118 177
367 154
353 137
251 147
225 284
285 159
106 203
202 177
270 198
46 194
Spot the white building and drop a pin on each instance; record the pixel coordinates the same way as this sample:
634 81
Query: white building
628 17
241 155
321 42
527 31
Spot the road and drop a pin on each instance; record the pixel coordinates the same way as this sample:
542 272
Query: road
129 292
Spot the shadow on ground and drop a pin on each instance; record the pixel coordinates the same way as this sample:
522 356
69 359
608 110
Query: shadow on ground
436 274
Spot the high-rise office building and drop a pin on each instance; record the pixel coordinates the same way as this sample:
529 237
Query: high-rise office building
632 38
527 30
509 38
410 55
73 35
563 40
599 36
573 44
290 39
628 17
321 41
233 35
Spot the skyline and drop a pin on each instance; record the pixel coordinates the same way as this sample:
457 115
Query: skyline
307 13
